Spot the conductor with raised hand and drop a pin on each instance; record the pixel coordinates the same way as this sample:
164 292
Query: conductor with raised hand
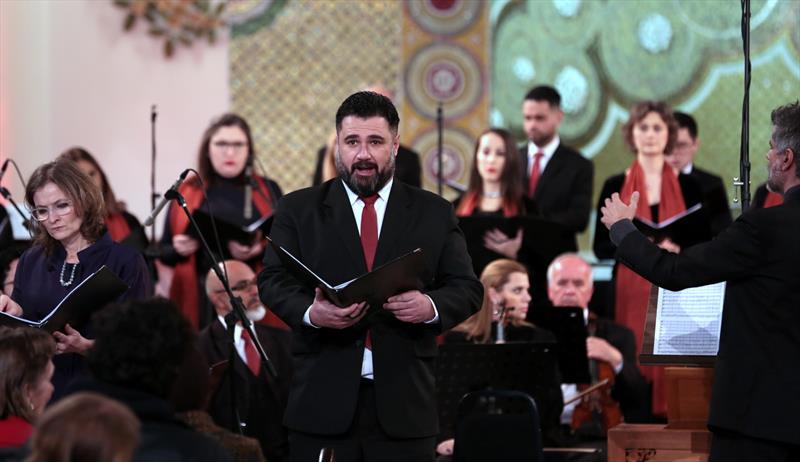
752 417
364 386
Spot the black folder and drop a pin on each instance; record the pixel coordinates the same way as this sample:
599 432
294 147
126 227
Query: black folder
228 229
93 293
569 327
685 229
397 276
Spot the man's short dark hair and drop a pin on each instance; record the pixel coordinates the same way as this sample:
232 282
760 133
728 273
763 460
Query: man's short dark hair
686 121
366 104
545 93
140 345
786 122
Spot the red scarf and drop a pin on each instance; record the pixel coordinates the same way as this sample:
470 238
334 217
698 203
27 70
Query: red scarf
117 227
184 288
468 204
633 291
772 200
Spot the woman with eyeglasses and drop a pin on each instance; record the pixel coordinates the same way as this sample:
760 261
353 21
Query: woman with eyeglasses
225 164
70 243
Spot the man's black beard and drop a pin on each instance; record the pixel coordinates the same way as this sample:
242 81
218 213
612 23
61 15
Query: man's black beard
365 186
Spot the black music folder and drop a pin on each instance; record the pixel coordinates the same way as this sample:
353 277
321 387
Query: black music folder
397 276
229 229
569 327
94 292
685 229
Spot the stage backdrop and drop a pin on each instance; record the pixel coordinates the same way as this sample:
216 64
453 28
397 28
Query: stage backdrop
293 61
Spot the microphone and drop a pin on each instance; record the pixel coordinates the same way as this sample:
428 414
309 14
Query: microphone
3 168
151 219
248 191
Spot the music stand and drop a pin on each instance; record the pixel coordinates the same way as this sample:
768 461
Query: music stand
569 327
524 366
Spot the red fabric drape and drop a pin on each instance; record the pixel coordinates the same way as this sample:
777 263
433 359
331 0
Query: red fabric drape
772 200
633 291
117 227
470 201
184 288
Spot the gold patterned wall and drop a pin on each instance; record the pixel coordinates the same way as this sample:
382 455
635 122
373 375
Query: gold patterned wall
292 64
446 60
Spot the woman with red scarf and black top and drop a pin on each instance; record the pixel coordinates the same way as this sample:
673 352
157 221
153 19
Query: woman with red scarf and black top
651 132
121 225
226 151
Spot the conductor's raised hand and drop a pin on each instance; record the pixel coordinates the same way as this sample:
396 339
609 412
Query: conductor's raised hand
323 313
615 210
9 306
411 306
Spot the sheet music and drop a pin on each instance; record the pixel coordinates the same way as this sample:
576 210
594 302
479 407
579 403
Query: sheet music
688 321
16 221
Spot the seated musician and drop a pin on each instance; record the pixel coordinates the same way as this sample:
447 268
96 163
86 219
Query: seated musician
502 318
570 284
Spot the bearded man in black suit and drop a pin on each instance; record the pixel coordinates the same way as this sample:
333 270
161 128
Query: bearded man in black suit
715 199
557 177
259 398
752 418
365 386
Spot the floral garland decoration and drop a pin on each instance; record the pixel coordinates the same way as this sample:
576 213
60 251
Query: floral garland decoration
176 21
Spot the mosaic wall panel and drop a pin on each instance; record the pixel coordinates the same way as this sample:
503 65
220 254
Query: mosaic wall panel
605 56
292 64
293 61
446 60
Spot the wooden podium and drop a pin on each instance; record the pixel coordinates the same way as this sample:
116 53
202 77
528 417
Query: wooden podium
688 385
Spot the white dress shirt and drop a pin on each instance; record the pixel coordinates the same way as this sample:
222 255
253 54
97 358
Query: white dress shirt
548 150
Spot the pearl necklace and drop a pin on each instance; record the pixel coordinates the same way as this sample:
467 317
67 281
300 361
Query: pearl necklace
71 275
493 195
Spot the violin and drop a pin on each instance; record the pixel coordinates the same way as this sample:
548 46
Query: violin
597 411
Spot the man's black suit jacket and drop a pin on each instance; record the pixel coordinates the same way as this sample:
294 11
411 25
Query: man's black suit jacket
317 225
261 400
756 373
407 167
715 200
564 191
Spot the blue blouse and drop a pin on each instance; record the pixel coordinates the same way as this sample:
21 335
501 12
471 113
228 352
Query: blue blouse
37 288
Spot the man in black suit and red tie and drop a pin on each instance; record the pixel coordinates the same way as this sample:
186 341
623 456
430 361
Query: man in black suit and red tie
752 418
715 199
364 386
557 177
260 398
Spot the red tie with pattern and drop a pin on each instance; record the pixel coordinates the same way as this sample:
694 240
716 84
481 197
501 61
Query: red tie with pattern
369 238
253 361
535 173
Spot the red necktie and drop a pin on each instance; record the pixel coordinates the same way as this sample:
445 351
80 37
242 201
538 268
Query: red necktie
369 229
253 361
535 173
369 239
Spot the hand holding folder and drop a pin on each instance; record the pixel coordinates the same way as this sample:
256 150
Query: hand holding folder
397 276
94 292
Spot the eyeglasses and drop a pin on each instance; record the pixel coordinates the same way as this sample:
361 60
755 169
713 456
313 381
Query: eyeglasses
59 209
235 145
240 286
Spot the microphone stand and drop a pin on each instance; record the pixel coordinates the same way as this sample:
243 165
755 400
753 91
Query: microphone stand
439 147
153 251
236 302
743 181
25 222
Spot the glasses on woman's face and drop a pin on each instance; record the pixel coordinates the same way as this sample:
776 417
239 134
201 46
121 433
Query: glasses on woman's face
59 209
234 145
